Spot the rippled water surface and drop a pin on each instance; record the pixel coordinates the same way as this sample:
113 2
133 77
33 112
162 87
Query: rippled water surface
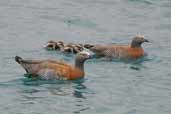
109 87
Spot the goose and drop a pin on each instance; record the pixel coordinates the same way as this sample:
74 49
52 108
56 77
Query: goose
133 50
55 69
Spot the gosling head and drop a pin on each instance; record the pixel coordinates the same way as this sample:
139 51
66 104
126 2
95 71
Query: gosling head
88 46
53 45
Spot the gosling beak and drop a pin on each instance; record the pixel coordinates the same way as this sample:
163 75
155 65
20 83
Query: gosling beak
46 45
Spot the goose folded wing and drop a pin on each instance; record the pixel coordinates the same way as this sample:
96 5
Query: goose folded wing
55 70
98 48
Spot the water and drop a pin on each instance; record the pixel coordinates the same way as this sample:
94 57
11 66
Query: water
109 87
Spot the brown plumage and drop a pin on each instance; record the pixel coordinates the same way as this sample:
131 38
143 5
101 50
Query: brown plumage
73 48
129 51
52 69
66 48
53 45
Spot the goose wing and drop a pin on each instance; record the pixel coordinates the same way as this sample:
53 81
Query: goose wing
47 69
54 70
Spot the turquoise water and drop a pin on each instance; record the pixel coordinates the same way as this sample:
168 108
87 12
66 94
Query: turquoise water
109 87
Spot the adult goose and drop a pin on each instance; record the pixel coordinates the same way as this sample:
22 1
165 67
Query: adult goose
55 69
133 50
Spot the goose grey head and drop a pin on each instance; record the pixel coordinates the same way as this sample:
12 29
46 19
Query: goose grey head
138 40
81 58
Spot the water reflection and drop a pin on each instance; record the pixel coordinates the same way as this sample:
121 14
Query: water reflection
81 110
132 64
58 92
80 91
146 2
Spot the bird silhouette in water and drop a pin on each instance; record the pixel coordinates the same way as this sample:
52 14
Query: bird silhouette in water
127 51
55 69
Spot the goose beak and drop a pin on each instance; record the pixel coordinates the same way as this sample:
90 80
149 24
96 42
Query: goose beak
145 40
92 56
88 55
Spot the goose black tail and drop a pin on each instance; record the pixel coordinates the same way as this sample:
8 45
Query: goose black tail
18 59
